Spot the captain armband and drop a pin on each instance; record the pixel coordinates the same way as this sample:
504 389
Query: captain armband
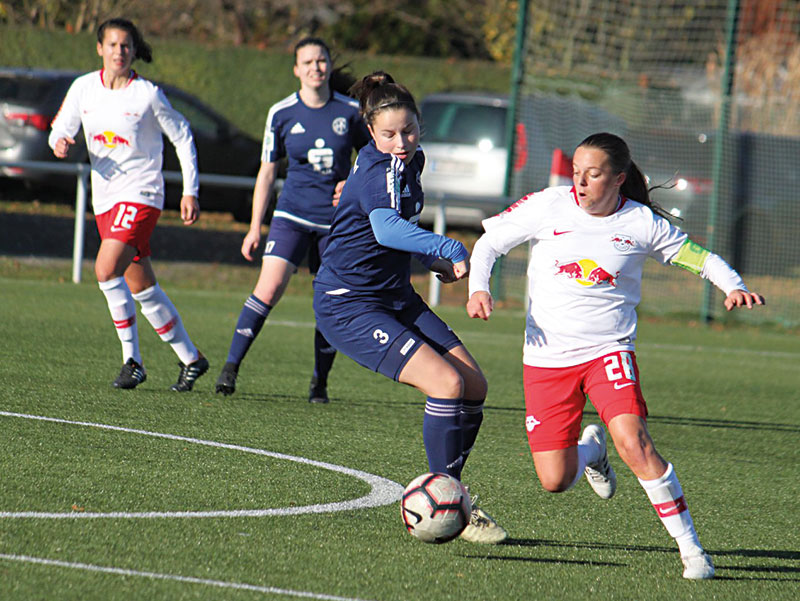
691 257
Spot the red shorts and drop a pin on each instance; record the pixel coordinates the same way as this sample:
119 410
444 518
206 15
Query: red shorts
555 397
130 223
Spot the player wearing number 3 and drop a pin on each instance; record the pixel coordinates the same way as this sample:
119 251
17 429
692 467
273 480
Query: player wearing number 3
589 244
363 299
123 117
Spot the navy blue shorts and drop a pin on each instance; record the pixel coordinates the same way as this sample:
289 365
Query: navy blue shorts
380 331
293 241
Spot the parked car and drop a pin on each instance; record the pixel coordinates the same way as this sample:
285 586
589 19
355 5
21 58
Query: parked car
463 137
30 99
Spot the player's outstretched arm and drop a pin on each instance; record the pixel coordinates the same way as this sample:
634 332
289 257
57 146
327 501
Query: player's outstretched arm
741 298
480 305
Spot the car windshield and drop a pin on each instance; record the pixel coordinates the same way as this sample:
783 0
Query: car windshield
23 89
462 123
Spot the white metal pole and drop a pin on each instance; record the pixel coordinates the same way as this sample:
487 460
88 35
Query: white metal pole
80 222
439 227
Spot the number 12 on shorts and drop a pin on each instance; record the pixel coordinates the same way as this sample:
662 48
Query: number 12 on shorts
620 366
125 216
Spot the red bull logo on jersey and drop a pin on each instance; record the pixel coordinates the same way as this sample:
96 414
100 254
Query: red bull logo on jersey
110 140
586 273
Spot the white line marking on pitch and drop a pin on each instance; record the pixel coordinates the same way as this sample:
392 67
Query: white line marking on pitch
271 590
383 491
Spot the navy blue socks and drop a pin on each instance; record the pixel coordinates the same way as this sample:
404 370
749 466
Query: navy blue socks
251 319
441 433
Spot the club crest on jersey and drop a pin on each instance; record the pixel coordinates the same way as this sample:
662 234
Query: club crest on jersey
586 273
339 126
622 242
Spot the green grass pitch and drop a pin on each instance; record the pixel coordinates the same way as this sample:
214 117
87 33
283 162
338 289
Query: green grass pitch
723 408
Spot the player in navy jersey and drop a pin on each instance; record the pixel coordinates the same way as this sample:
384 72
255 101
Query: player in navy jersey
363 299
316 129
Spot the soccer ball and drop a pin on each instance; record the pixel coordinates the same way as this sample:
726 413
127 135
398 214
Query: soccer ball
435 507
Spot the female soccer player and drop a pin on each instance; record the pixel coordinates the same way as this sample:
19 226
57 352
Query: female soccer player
590 242
123 117
317 129
363 298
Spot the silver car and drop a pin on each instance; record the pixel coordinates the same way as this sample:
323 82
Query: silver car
463 137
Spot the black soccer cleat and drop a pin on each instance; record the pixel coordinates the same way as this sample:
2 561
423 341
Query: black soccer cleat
190 373
226 383
130 376
317 393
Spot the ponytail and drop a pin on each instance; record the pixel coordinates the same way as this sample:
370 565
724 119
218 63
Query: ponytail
378 92
619 155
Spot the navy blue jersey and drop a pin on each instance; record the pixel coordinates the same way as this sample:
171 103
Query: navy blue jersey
354 259
318 143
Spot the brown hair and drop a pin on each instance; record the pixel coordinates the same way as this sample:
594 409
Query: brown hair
619 155
378 92
340 79
141 49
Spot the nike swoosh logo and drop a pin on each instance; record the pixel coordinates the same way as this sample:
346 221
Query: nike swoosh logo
114 228
619 385
666 511
557 233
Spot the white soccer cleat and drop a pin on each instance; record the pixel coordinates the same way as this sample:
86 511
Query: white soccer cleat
482 527
600 475
698 567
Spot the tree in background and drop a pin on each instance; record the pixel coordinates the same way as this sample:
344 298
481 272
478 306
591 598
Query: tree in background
453 28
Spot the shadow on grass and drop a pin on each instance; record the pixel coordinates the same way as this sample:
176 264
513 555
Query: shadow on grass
658 419
786 555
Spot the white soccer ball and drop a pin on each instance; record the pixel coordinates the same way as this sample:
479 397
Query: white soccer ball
435 507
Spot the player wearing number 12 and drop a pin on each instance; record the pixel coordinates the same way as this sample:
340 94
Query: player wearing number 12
589 244
123 117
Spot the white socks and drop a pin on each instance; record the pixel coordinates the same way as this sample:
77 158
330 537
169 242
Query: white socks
164 318
588 453
123 313
666 495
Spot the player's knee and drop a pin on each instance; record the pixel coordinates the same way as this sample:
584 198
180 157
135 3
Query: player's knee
476 386
449 385
556 482
634 450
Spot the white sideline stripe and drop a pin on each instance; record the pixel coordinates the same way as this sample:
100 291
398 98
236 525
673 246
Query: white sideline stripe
270 590
383 491
639 345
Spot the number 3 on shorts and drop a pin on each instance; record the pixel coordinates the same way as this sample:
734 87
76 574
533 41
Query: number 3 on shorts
125 216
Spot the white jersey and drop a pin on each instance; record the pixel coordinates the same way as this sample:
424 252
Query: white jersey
585 272
123 136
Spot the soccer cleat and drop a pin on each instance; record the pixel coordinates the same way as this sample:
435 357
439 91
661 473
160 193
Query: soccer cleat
698 567
190 373
482 527
317 393
130 376
600 475
226 383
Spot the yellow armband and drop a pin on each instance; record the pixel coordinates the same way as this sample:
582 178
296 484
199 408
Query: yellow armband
691 257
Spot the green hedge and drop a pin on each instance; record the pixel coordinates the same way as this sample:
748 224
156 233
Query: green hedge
241 83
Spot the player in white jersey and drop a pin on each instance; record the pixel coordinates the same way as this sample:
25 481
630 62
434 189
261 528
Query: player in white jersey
588 246
123 117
